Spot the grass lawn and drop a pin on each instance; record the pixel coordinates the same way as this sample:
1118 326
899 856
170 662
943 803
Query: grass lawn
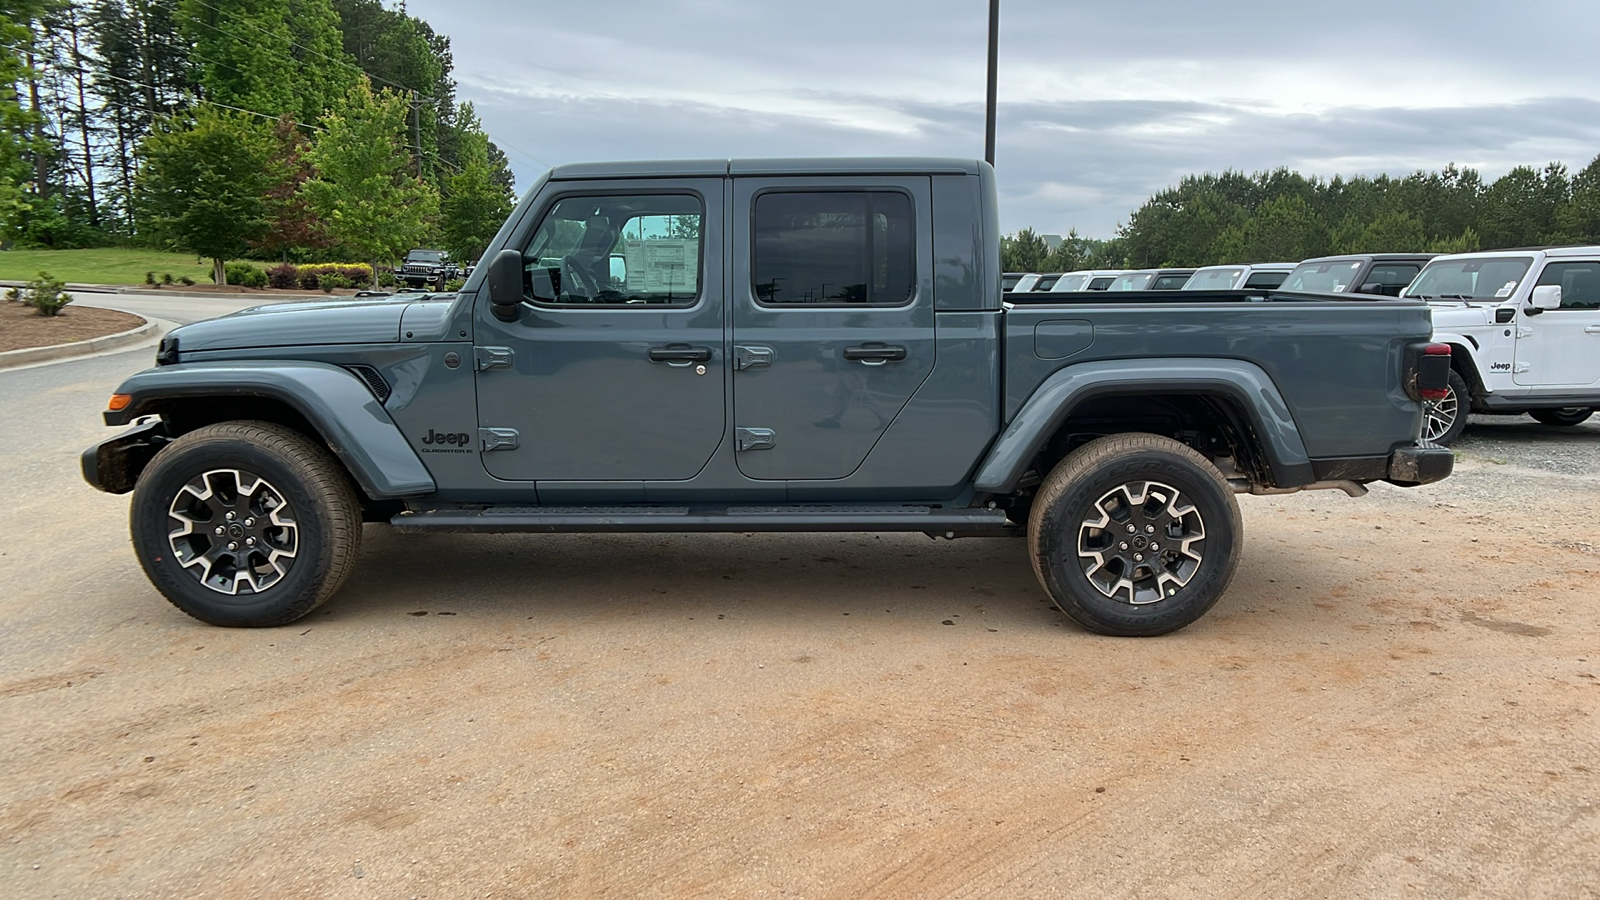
108 265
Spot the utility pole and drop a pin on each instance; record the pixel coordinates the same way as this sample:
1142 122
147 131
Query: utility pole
416 130
994 62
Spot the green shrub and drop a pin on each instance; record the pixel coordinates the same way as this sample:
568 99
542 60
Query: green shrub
150 278
166 277
245 275
386 278
13 295
46 295
454 284
306 278
186 281
334 283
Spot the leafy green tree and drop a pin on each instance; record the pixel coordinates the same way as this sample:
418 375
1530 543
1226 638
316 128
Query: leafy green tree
363 190
1023 252
1578 219
1520 208
291 223
474 205
16 123
269 56
201 186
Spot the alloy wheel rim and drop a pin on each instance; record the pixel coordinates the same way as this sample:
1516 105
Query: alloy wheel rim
1439 416
233 531
1141 542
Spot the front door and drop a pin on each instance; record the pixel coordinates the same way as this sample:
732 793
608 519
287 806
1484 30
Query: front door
617 373
1560 348
833 325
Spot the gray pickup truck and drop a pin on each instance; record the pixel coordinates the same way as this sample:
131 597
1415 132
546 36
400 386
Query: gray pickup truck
762 345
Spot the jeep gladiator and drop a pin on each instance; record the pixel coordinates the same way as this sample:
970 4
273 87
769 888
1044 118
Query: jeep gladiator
762 345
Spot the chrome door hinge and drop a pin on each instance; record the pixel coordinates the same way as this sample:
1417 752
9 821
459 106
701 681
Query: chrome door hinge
498 438
754 438
494 358
749 357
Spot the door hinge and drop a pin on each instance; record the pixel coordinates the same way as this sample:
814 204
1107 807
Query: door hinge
1521 367
754 438
1524 331
750 357
498 438
494 358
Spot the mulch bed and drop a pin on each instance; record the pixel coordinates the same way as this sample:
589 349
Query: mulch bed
21 327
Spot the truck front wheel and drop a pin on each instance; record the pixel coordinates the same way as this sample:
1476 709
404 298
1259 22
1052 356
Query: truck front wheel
1575 415
245 524
1135 535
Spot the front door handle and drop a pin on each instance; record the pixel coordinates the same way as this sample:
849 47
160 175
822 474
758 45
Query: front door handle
875 355
680 354
1592 329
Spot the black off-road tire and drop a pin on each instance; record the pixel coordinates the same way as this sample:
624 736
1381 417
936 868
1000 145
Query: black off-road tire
1444 420
1167 493
289 478
1575 415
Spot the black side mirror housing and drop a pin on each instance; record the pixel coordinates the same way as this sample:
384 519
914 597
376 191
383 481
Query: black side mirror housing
505 284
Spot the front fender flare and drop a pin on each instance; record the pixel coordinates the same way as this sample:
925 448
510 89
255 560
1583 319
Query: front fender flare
342 409
1247 384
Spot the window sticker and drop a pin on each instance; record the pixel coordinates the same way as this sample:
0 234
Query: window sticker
1338 286
1506 291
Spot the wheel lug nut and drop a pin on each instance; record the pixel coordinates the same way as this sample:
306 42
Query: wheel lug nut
1138 557
1155 548
1124 545
229 516
233 545
1131 529
249 523
249 542
219 529
1149 529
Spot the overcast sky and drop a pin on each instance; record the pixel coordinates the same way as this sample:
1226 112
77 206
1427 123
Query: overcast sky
1101 104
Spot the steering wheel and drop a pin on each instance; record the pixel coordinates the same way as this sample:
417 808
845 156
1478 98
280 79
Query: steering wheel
575 282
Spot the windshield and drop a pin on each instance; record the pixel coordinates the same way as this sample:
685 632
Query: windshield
1213 280
1133 281
1009 280
425 256
1325 277
1071 282
1470 279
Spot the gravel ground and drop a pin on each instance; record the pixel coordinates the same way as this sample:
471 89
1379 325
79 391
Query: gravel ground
1398 697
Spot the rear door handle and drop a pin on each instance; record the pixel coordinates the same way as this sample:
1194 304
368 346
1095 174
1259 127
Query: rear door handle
1592 329
874 355
680 354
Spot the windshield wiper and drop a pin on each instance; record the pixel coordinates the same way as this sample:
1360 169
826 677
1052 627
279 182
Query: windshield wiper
1455 296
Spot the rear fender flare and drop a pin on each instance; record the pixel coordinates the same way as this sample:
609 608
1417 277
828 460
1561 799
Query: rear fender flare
350 419
1246 384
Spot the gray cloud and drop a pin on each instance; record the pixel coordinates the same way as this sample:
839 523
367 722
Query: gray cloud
1101 104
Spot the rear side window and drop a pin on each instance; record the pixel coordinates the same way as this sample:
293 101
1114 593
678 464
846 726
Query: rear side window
1265 280
836 248
1168 282
1214 280
1100 283
1392 278
1579 281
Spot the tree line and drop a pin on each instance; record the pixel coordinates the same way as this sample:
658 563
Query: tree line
277 129
1283 216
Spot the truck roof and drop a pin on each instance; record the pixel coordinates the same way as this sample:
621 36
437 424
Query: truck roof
716 168
1527 252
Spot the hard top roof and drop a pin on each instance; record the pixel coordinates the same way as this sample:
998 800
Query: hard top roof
717 168
1374 257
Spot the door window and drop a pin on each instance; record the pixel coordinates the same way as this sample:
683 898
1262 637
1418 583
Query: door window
838 248
1265 280
1579 281
617 250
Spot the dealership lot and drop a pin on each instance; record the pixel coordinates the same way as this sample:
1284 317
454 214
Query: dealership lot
1398 697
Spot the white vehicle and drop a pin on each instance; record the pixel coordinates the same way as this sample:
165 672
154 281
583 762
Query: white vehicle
1086 280
1524 333
1264 276
1026 283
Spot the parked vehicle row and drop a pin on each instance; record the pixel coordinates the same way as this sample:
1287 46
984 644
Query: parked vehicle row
1386 274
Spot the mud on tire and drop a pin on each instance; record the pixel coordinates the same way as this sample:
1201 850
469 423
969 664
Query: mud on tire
1135 535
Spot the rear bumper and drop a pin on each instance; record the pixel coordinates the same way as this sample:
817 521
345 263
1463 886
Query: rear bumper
1424 463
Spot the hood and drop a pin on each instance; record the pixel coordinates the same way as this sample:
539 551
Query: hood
373 320
1455 315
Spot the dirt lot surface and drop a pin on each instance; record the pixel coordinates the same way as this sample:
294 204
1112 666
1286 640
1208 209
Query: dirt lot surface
21 327
1397 698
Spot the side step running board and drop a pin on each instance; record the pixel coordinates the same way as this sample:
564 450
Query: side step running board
936 521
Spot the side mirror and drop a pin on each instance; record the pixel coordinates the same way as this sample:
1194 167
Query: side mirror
1546 296
505 284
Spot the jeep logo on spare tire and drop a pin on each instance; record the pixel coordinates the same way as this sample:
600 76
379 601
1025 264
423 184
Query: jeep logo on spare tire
452 438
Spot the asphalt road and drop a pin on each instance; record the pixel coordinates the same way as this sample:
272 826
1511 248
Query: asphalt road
1398 697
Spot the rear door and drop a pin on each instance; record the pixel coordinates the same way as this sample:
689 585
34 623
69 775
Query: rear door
833 324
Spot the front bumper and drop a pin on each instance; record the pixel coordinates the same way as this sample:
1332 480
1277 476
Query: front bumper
114 465
1424 463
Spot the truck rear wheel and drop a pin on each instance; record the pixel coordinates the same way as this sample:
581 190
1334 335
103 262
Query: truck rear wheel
1443 420
1575 415
245 524
1135 535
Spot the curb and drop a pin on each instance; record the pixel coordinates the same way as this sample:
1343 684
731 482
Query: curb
118 341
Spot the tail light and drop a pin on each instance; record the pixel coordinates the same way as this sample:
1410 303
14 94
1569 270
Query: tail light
1433 372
